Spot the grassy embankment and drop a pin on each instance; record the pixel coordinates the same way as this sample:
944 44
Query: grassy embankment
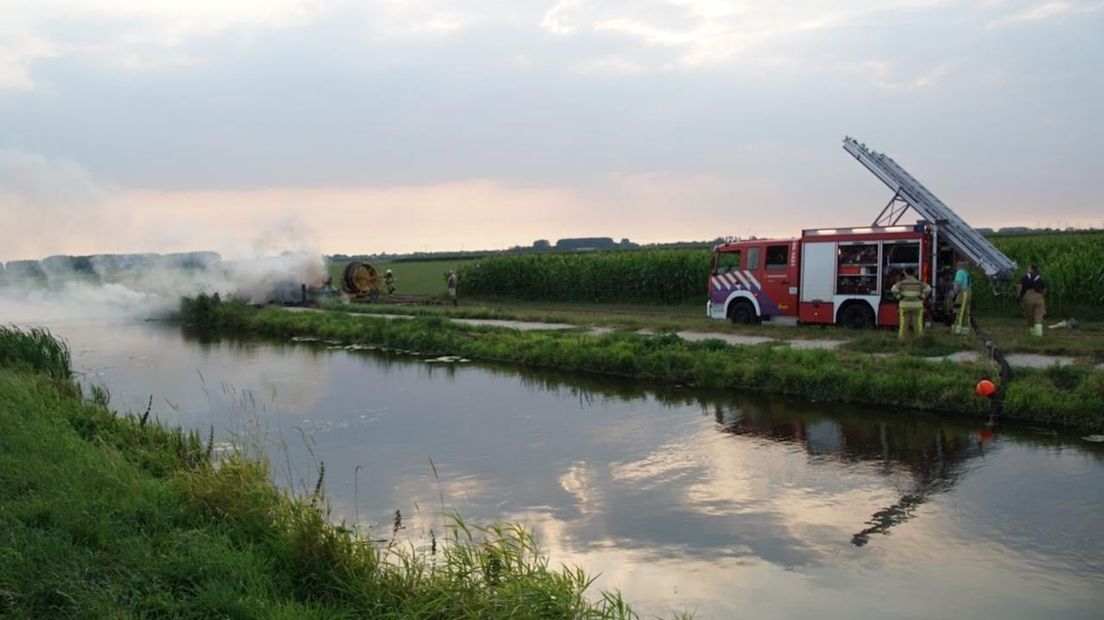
106 516
1072 397
1086 343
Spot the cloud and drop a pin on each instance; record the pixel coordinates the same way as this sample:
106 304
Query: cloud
706 32
888 77
17 53
560 20
610 66
142 36
570 105
418 18
132 35
170 23
1044 11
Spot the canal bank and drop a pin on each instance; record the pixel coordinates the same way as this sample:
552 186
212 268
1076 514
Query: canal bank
1069 397
728 503
118 516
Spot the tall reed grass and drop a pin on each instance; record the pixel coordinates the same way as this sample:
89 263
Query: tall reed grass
36 350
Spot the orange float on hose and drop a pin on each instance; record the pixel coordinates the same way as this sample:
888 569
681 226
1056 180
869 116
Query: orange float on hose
985 388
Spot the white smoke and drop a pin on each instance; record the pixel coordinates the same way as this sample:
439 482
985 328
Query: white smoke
149 286
47 203
152 291
56 205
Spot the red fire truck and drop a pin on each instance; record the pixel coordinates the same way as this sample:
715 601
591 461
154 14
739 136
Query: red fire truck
844 275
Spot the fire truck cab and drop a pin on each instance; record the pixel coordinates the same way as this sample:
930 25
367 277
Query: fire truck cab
839 276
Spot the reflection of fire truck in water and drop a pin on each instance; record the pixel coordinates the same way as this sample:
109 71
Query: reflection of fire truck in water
844 275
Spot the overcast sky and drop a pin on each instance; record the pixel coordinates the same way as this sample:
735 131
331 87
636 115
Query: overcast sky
397 125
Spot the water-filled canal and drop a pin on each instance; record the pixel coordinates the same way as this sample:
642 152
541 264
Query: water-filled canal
720 504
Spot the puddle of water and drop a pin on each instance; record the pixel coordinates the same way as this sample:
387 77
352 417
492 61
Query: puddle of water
1031 360
958 356
729 338
816 344
518 325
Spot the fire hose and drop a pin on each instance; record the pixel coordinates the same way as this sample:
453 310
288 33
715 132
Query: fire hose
996 401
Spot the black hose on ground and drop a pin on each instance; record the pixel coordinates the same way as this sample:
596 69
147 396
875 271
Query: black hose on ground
996 401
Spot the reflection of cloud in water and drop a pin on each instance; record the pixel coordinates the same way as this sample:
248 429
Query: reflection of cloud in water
709 497
660 581
663 465
223 382
580 481
974 575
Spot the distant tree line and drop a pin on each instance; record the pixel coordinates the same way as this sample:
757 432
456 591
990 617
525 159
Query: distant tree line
99 264
1025 230
583 244
579 244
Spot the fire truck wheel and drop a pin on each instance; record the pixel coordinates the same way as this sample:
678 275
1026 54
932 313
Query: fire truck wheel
856 315
742 312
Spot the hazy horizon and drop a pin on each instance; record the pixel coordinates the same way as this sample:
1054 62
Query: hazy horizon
521 245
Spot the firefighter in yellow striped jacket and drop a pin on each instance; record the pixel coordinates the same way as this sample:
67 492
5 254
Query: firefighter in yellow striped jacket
911 294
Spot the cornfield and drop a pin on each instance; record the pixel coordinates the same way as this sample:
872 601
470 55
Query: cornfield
645 276
1072 265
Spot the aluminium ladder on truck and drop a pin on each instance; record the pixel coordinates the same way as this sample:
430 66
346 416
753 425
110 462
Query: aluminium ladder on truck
908 192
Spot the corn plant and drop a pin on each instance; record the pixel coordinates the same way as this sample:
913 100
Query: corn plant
1071 263
645 276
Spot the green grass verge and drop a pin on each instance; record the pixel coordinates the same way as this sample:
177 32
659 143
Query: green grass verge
1086 342
900 381
109 517
928 345
625 317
